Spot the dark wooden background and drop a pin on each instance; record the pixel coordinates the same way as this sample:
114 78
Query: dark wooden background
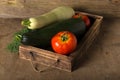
28 8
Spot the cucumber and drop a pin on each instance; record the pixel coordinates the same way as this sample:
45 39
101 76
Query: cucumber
42 37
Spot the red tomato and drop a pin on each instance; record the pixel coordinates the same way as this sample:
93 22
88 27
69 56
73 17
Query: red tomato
84 18
64 42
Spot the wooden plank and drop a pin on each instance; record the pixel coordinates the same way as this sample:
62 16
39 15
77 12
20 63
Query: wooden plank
28 8
91 34
45 57
86 41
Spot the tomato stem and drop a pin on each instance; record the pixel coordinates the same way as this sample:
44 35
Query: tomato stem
64 37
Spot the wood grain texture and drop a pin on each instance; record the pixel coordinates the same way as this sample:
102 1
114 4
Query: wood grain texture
28 8
40 56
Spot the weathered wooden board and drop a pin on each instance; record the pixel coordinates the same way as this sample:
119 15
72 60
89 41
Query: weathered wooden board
67 63
28 8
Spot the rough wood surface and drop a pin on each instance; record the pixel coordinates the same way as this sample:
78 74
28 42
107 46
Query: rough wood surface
45 57
28 8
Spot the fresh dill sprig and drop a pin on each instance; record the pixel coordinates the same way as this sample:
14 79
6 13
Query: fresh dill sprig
14 45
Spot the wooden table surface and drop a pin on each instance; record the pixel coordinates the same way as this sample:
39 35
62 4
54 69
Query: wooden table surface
28 8
102 62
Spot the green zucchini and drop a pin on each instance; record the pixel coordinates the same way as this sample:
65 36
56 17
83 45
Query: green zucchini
42 37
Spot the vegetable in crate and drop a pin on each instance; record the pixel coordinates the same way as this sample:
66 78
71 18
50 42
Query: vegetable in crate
60 13
42 37
85 18
64 42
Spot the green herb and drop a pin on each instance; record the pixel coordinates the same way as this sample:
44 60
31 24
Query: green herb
14 45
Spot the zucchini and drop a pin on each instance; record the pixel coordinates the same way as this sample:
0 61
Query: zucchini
42 37
57 14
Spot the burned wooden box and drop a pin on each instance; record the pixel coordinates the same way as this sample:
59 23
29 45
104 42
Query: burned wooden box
52 59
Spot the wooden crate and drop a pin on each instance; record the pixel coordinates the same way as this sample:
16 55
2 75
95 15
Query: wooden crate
52 59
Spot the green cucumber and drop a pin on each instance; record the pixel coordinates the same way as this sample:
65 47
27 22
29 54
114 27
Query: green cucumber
42 37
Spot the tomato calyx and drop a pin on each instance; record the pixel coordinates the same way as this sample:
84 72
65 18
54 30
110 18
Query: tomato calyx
64 37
